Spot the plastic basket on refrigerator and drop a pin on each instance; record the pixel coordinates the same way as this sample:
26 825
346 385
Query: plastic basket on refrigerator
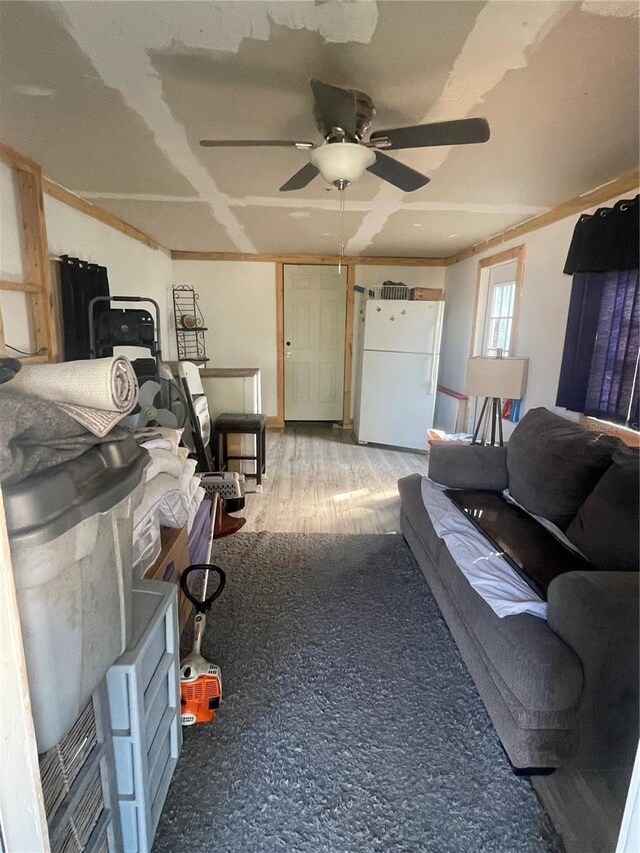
390 290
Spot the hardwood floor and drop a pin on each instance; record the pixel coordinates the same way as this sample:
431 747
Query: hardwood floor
585 806
320 481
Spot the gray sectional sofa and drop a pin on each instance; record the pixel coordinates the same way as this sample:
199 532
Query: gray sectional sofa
561 692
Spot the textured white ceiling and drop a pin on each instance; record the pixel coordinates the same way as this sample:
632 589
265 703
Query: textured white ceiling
111 99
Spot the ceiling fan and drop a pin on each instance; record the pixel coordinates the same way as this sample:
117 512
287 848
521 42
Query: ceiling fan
343 117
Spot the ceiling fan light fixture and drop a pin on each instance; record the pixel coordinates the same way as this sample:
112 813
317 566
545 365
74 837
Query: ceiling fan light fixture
342 163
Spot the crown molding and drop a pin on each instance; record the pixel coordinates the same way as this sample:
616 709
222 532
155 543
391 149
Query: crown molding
347 260
95 212
626 181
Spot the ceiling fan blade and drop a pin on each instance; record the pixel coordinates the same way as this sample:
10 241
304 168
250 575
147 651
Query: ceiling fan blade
301 178
397 173
252 143
337 106
460 132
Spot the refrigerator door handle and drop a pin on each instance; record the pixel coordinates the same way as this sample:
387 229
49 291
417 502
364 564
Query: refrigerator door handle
433 373
436 328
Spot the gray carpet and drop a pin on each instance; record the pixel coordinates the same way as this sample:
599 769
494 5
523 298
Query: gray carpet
349 723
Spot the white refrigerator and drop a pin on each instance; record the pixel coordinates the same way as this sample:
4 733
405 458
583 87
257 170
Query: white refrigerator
397 372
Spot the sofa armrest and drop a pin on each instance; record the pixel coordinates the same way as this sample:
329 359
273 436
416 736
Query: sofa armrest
468 466
596 614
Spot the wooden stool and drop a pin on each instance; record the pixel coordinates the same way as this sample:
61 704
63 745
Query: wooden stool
245 424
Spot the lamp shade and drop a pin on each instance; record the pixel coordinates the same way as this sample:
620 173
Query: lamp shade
342 161
505 378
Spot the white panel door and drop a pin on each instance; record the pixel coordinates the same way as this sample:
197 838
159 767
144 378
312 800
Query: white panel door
403 326
397 398
314 317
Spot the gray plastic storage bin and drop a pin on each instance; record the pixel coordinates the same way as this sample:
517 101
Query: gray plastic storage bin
144 706
70 532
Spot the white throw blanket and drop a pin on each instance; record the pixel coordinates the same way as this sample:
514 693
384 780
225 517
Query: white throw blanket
161 438
97 393
488 573
166 462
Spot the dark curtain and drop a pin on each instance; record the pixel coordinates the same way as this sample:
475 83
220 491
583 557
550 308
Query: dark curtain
606 240
612 392
599 371
80 282
582 328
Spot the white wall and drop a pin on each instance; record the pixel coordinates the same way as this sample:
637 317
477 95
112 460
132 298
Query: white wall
10 250
133 268
238 301
237 298
543 314
16 312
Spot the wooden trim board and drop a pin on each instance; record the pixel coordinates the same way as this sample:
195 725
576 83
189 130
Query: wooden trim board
457 395
333 260
628 436
89 209
348 348
35 253
22 812
21 286
517 253
622 183
280 342
627 181
17 161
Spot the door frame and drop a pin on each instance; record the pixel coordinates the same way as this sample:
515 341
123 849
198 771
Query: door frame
348 337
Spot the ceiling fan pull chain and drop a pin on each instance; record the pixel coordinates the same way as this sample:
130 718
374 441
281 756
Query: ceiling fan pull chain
341 231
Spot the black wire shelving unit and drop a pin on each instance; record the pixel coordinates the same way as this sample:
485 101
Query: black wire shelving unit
189 323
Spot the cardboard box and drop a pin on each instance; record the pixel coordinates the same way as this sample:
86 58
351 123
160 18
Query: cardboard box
172 561
425 294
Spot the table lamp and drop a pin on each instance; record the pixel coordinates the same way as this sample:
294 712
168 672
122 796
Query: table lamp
495 379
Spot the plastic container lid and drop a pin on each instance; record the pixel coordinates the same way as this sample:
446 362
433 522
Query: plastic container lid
47 504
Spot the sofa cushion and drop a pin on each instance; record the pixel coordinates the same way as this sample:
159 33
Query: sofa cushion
410 489
538 675
554 464
606 526
468 466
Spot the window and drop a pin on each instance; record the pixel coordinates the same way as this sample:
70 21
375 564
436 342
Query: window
497 297
499 318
